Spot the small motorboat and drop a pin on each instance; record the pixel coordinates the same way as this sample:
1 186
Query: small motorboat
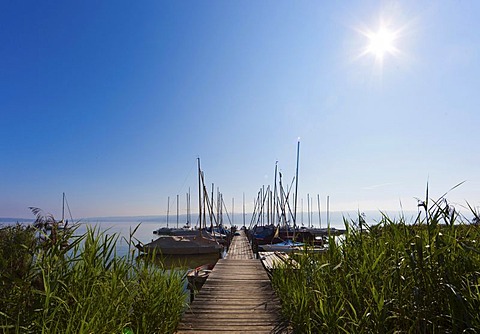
286 246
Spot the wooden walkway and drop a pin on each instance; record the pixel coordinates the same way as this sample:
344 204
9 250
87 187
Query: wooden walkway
236 298
240 248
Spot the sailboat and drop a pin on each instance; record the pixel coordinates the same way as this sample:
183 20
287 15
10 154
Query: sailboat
286 246
59 224
200 243
185 230
182 245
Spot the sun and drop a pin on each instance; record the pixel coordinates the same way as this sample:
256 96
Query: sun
381 42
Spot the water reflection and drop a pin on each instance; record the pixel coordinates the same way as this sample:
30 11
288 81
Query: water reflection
182 261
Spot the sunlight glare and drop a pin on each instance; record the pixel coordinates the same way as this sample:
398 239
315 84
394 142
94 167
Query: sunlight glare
381 42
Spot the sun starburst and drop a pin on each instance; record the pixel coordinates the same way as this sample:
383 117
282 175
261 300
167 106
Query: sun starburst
381 42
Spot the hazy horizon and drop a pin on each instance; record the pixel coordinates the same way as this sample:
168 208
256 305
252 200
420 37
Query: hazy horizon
372 216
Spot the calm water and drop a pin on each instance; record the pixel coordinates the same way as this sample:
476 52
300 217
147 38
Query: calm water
122 226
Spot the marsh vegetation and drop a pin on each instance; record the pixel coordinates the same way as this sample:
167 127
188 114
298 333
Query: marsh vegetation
57 282
390 277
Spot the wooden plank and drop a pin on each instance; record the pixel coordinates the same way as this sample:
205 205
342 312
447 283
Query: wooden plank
236 298
218 295
231 331
253 303
230 317
244 309
221 327
227 329
232 308
222 323
251 289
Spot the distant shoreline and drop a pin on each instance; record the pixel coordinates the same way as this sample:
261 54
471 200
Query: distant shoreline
336 217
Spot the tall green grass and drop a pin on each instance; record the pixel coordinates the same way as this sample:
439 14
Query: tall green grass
77 284
391 277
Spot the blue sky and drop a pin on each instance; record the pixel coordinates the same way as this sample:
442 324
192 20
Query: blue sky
113 101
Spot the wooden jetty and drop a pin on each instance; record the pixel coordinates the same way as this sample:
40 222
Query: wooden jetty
236 298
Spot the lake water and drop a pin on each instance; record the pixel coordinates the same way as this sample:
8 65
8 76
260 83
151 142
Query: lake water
122 226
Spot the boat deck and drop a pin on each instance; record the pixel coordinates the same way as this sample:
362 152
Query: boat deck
272 260
236 298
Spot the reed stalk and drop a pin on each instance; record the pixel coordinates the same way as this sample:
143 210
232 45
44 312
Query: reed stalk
390 277
77 284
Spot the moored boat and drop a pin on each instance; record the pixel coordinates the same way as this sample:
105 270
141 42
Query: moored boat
286 246
199 275
181 245
187 242
175 231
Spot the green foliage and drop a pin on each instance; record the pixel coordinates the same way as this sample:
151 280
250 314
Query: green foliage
16 266
389 278
61 283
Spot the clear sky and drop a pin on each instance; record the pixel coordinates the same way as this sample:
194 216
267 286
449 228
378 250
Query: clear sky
111 102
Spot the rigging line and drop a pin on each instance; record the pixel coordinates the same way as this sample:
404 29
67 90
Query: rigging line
263 204
254 214
226 211
182 187
209 205
68 207
287 200
207 200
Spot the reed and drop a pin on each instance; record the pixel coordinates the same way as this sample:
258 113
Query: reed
389 277
77 284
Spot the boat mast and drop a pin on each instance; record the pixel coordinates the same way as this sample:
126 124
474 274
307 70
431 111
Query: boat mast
319 215
328 211
244 209
296 186
308 209
168 209
199 195
311 212
301 208
177 210
275 200
63 208
188 208
282 205
211 211
263 205
205 202
219 206
270 208
268 205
